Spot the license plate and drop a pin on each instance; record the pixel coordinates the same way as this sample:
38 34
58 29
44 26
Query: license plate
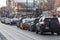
46 27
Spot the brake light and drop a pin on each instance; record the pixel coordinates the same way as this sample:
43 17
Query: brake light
43 23
58 22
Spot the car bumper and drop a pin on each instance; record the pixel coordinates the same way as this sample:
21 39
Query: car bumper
48 29
13 22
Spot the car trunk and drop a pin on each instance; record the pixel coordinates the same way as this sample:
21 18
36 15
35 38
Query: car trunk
52 23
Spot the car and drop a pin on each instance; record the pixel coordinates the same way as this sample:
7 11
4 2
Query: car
12 18
33 24
15 18
18 23
25 23
8 19
48 24
3 19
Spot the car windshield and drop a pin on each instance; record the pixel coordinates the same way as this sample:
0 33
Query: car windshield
50 19
11 16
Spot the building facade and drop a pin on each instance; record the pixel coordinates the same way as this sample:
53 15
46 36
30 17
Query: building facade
10 4
23 9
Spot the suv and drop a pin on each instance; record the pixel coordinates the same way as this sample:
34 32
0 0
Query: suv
48 24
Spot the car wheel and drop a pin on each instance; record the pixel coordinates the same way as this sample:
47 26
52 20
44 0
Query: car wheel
32 28
37 31
17 24
58 33
5 22
29 29
52 33
41 32
1 22
10 23
21 27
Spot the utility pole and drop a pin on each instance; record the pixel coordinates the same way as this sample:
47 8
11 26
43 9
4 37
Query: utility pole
26 7
34 8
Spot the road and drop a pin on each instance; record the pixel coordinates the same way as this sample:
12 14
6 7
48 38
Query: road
11 32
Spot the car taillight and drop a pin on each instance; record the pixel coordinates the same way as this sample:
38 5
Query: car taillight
43 23
58 23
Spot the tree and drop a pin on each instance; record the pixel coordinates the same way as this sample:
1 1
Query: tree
48 5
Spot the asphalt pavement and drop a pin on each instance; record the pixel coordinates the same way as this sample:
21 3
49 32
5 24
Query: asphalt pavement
2 37
11 32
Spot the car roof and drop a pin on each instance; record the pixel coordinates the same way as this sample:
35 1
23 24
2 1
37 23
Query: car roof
46 17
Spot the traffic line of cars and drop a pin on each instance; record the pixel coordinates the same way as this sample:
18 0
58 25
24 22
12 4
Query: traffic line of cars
11 19
38 25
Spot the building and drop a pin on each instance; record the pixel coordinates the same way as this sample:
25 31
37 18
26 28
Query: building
57 3
10 4
23 9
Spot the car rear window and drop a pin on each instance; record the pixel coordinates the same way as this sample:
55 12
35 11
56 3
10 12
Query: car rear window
51 19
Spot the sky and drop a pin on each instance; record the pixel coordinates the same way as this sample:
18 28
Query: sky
2 3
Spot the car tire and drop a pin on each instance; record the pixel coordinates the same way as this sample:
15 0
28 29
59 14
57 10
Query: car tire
58 33
17 24
10 23
1 22
33 28
21 27
5 22
41 30
37 31
30 29
52 33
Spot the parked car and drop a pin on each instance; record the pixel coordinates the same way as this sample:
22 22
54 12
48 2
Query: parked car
3 19
12 19
33 24
25 23
48 24
19 21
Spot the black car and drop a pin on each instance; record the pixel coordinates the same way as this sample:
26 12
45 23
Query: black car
47 24
33 25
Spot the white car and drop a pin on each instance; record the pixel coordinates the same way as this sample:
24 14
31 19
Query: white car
7 20
3 19
11 20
